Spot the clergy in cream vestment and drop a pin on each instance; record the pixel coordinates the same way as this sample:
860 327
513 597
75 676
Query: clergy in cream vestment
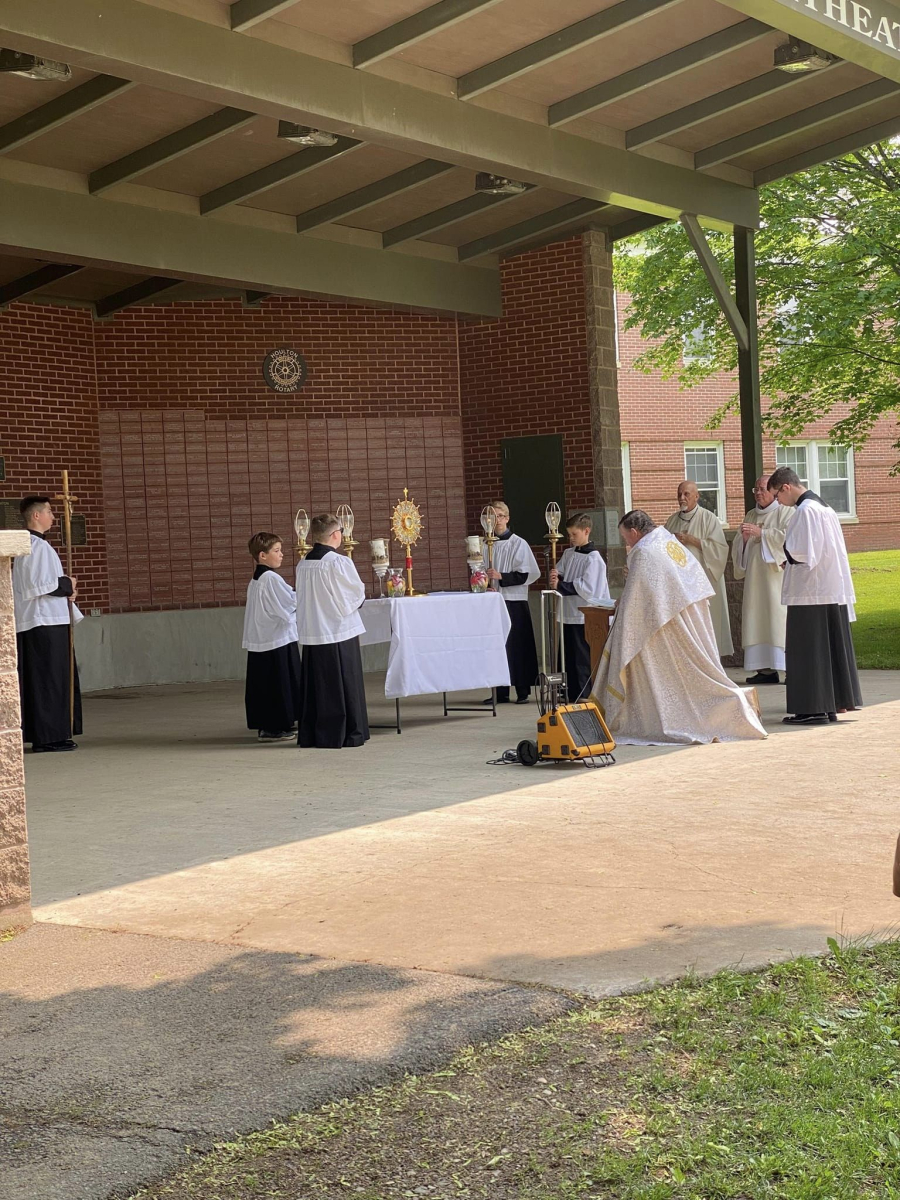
330 594
515 569
757 556
40 597
701 532
660 679
818 590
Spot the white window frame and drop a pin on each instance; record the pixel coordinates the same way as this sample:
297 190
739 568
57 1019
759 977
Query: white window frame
812 467
721 495
626 475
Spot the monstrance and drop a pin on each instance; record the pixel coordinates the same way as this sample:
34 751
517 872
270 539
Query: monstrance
301 528
345 515
406 526
489 524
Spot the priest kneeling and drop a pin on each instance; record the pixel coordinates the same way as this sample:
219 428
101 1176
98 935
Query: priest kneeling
330 594
660 679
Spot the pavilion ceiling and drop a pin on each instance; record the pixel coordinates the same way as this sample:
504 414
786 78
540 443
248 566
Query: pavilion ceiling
615 115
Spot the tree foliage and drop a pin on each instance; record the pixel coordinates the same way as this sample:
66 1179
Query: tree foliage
828 280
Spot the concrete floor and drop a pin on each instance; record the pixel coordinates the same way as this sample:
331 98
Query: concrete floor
414 853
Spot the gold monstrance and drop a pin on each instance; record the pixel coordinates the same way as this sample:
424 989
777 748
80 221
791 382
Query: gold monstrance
406 526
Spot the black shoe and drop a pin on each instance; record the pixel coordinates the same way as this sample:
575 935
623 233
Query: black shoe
807 719
500 700
832 718
523 699
54 747
268 735
763 677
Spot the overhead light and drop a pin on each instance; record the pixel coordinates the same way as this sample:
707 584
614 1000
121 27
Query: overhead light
30 67
303 135
796 57
498 185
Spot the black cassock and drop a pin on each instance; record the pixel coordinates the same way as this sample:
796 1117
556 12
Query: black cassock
44 685
272 691
820 660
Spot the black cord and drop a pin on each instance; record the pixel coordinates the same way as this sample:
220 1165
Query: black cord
507 758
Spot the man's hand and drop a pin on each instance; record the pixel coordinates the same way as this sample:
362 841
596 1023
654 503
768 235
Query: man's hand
554 577
751 531
493 574
687 539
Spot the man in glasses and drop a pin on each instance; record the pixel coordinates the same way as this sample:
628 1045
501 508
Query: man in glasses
757 555
818 591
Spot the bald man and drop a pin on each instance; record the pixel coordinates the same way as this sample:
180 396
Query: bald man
701 532
757 555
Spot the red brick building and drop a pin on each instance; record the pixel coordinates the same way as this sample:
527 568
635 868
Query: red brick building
665 439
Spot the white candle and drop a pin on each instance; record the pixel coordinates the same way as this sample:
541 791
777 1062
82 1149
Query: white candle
473 546
379 549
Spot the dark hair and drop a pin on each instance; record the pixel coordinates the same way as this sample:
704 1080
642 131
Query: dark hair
323 526
639 520
30 503
579 520
782 475
262 543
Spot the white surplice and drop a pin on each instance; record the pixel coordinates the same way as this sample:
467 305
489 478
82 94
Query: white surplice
35 577
660 679
820 570
584 568
514 554
270 618
712 555
758 562
329 596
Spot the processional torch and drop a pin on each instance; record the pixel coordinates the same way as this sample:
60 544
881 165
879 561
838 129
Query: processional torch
553 516
301 528
345 515
489 524
67 501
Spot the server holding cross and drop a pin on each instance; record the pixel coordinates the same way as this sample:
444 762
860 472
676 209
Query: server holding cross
46 614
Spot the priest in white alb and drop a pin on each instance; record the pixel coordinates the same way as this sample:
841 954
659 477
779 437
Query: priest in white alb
822 680
757 556
701 532
660 679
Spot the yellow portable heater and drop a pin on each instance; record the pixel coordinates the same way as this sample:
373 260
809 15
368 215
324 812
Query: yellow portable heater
565 732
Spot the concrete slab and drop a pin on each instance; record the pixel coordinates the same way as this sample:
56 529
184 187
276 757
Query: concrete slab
119 1051
412 852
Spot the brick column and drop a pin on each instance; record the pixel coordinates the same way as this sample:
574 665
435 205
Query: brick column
15 887
606 433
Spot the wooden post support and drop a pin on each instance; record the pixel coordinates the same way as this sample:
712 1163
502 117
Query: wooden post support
68 500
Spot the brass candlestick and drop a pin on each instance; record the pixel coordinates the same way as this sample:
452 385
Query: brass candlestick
489 524
301 528
345 515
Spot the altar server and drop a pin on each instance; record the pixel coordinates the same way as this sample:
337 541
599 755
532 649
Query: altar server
660 679
330 594
581 580
272 693
701 532
757 556
41 594
515 569
818 591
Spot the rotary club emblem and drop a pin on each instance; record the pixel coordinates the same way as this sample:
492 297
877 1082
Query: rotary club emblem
676 553
285 370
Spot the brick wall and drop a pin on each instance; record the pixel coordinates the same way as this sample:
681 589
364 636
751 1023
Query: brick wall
48 422
527 373
658 418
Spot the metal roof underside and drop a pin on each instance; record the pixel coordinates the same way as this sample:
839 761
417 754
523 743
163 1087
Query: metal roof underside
156 169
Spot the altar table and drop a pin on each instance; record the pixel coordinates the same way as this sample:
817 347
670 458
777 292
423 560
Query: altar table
447 642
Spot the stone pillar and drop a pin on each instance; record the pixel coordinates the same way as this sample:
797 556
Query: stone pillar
15 886
606 433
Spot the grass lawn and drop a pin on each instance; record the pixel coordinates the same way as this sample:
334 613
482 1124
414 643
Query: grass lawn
783 1083
876 634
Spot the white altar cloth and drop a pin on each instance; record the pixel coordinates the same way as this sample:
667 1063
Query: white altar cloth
444 643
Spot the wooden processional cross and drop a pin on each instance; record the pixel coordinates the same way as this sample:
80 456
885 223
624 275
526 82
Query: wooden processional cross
67 501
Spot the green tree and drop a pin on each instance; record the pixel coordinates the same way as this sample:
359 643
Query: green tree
828 279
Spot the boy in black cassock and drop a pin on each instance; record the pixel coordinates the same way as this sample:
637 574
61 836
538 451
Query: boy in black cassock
330 594
272 694
515 569
581 580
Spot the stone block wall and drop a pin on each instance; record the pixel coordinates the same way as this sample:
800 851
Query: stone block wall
15 894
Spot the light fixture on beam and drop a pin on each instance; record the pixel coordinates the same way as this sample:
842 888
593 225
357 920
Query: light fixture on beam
31 67
498 185
304 135
798 57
